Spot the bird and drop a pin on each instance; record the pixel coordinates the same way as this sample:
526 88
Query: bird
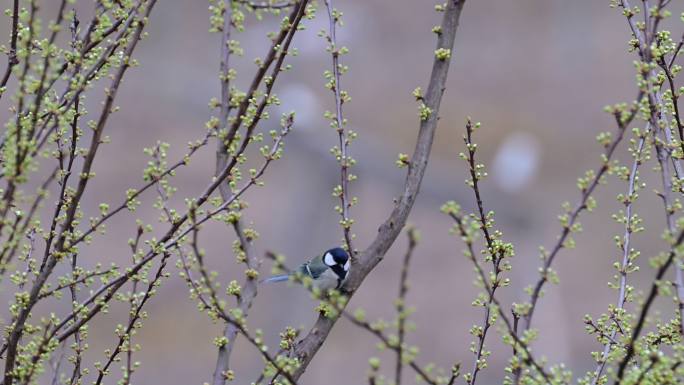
327 271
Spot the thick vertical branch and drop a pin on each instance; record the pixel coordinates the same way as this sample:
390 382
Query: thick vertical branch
307 348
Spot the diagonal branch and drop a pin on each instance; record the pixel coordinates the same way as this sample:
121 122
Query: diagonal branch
361 322
307 348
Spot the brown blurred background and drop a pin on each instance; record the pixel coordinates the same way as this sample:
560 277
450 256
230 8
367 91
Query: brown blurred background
535 73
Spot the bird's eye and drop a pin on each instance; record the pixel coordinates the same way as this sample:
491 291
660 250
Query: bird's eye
328 259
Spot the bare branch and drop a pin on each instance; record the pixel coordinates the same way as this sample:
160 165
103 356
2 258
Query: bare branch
308 347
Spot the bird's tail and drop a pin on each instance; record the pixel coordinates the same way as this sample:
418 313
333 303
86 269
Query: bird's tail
276 278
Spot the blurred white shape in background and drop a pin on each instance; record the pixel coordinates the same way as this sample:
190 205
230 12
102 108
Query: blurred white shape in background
303 100
516 162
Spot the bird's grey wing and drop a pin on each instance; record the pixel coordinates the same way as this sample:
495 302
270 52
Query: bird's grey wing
314 268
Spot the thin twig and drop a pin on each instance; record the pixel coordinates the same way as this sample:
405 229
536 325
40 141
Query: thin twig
622 123
340 122
267 4
650 298
71 285
238 324
496 255
247 294
133 319
401 304
512 330
626 250
273 53
423 374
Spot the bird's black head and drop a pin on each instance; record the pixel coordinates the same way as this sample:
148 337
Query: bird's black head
337 257
340 255
338 261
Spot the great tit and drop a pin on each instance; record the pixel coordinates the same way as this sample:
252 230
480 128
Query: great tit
327 271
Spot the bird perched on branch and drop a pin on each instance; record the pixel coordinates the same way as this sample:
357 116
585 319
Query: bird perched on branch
327 271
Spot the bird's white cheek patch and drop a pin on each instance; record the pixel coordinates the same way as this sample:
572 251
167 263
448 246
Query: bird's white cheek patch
347 265
329 260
